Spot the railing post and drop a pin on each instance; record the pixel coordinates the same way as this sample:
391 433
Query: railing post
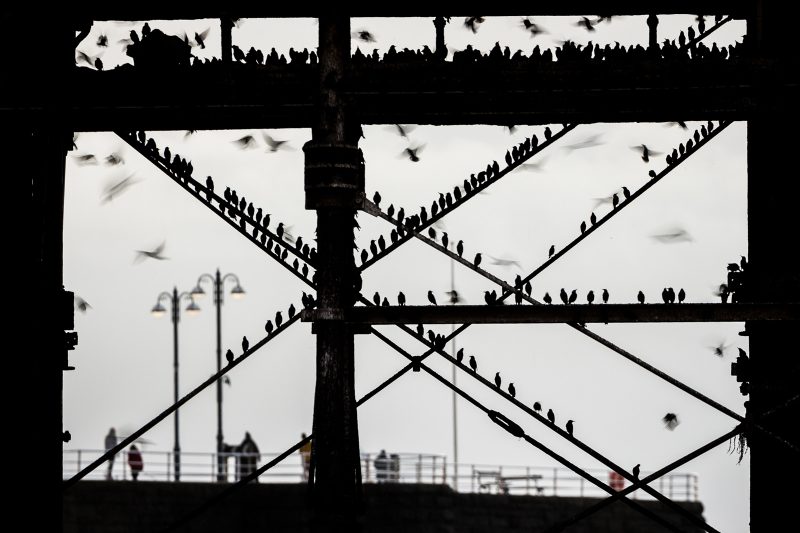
444 471
472 480
527 481
419 468
555 478
79 460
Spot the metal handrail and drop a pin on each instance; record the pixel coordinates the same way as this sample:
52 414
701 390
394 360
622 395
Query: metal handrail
397 468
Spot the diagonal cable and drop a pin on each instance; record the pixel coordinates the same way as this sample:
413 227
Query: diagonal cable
585 448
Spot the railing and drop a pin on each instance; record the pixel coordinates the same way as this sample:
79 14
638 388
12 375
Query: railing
393 468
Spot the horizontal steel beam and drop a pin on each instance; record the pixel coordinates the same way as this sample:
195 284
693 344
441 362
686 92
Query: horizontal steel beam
204 97
544 314
198 10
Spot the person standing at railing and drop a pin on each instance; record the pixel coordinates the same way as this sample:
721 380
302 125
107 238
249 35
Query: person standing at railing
135 461
305 454
111 441
250 455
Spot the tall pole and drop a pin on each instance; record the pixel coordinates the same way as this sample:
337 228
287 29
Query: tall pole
218 304
455 396
334 184
175 317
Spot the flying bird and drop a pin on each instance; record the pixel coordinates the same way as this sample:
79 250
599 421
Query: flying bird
533 28
114 189
670 421
156 253
672 236
246 142
81 304
588 142
114 158
587 24
412 152
454 296
646 152
719 349
504 262
85 159
364 35
274 144
473 23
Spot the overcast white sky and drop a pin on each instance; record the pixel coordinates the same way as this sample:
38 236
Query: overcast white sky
124 359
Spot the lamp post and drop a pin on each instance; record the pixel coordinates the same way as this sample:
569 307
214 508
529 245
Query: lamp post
158 310
237 292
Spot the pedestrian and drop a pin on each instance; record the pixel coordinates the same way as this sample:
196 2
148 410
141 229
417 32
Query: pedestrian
381 467
135 461
305 454
250 455
111 441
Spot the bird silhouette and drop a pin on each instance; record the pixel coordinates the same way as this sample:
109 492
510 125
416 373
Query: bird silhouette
681 296
245 344
573 296
743 263
672 236
376 298
640 297
528 288
81 304
588 142
593 219
364 35
605 296
364 256
533 28
200 38
246 142
460 248
537 407
116 188
547 299
504 262
646 152
477 260
268 327
278 319
156 253
670 421
85 159
583 226
377 199
274 144
586 24
460 355
635 472
445 239
551 416
564 297
473 364
229 356
569 427
590 297
548 134
626 193
497 380
412 152
719 349
551 251
453 296
511 390
292 311
473 23
402 129
385 302
432 298
401 298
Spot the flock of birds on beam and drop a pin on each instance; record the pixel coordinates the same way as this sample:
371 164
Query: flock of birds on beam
685 48
408 224
232 206
308 302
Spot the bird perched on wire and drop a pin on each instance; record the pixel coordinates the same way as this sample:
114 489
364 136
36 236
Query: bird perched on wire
497 380
570 427
635 472
670 421
401 298
640 297
460 248
605 296
245 344
473 364
564 297
573 296
547 299
460 355
477 260
229 356
268 327
473 23
511 390
551 416
590 297
537 407
432 298
156 253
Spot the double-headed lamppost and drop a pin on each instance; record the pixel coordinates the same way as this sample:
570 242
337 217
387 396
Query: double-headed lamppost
159 310
237 292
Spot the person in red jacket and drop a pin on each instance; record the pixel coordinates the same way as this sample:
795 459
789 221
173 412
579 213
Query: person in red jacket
135 461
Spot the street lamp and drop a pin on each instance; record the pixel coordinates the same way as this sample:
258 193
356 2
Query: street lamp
158 311
237 292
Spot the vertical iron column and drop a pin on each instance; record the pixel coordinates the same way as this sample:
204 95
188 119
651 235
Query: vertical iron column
221 472
176 311
652 24
225 26
772 275
334 183
441 48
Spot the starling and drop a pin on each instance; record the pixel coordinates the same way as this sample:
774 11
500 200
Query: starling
364 256
640 297
593 219
390 211
615 200
573 296
497 380
420 330
569 427
229 356
547 298
401 298
385 302
473 364
547 133
537 407
528 288
583 226
511 390
552 251
551 416
278 319
431 298
670 421
477 259
292 311
460 248
460 355
626 193
605 296
268 327
376 298
590 297
377 199
635 472
564 297
445 239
